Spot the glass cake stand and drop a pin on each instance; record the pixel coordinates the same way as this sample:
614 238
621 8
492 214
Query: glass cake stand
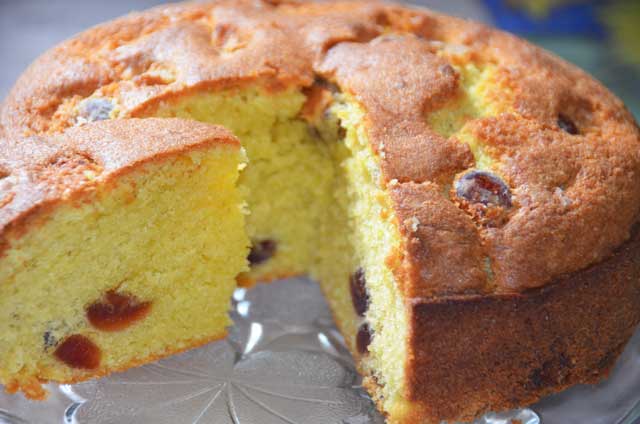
284 362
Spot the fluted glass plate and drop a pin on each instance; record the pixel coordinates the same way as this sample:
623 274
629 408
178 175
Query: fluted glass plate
285 363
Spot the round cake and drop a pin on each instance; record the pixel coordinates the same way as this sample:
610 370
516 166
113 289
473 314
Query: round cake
467 201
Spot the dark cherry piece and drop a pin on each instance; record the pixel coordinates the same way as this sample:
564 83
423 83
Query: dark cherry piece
116 311
363 339
97 109
79 351
567 124
359 295
261 251
483 187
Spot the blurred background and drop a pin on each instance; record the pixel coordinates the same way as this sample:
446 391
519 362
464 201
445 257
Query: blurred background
600 36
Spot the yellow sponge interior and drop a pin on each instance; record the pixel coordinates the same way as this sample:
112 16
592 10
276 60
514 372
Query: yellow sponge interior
314 193
169 232
374 238
288 180
318 196
478 97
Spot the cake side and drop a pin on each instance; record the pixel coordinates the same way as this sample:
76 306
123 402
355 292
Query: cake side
472 354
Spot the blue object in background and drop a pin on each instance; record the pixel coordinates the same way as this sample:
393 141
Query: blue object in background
579 18
599 36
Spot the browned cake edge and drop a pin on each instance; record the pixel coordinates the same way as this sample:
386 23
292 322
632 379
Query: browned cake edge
470 354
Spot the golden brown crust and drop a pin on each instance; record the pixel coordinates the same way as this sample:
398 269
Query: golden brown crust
167 51
575 196
440 244
563 184
397 79
39 172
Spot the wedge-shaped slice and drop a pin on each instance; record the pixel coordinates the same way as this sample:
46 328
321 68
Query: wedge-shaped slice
120 242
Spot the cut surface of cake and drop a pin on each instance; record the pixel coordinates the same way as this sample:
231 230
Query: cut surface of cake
121 242
467 201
